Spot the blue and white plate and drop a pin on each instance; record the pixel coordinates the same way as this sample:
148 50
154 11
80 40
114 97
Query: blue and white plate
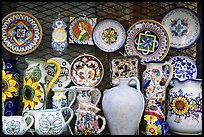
183 26
184 68
109 35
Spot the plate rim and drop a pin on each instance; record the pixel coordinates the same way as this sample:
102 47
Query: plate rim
154 21
115 20
40 30
199 19
86 54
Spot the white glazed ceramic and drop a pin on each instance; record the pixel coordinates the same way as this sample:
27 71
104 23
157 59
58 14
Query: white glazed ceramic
16 125
185 107
123 107
50 121
183 26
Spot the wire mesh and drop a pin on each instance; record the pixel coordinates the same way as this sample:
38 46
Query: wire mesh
127 13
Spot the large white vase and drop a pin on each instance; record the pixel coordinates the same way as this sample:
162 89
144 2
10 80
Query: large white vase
123 107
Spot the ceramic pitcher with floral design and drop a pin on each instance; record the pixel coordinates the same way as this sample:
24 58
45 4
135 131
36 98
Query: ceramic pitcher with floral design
185 107
87 120
16 125
154 86
35 85
10 87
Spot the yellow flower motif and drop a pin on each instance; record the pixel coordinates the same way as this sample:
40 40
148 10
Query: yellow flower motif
31 93
150 118
9 86
152 129
180 105
87 132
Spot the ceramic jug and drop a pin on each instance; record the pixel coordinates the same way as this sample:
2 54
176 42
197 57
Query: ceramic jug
185 107
16 125
35 86
87 120
10 87
50 121
123 107
84 94
154 86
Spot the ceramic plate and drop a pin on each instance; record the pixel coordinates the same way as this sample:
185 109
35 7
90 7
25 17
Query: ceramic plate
80 30
86 70
64 78
147 39
184 68
21 33
109 35
183 26
124 67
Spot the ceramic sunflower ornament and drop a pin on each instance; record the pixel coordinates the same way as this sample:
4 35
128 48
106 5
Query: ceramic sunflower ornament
10 86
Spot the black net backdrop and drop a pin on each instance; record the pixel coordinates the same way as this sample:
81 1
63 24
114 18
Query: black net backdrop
127 13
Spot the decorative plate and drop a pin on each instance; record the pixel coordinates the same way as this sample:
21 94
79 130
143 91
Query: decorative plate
109 35
184 68
86 70
59 35
64 78
183 27
21 33
124 67
80 30
147 39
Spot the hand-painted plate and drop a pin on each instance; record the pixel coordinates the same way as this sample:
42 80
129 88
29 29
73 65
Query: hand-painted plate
109 35
124 67
80 30
183 26
21 33
86 70
64 78
147 39
184 68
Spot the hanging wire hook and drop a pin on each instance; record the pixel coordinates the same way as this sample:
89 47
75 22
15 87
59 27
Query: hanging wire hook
59 14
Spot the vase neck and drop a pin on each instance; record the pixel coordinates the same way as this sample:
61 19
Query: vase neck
154 65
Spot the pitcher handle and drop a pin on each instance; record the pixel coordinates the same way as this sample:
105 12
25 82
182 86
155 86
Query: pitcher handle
71 112
97 92
52 61
103 125
73 98
165 127
170 74
137 82
31 122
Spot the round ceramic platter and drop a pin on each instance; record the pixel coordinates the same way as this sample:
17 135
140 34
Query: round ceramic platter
147 39
21 33
86 70
183 26
80 30
64 78
184 68
109 35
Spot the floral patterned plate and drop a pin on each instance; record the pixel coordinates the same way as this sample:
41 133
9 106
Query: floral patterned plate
80 30
184 68
109 35
147 39
21 33
86 70
64 78
183 26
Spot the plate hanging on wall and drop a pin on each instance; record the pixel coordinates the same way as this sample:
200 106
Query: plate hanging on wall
80 30
183 26
109 35
21 33
147 39
59 35
64 78
86 70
